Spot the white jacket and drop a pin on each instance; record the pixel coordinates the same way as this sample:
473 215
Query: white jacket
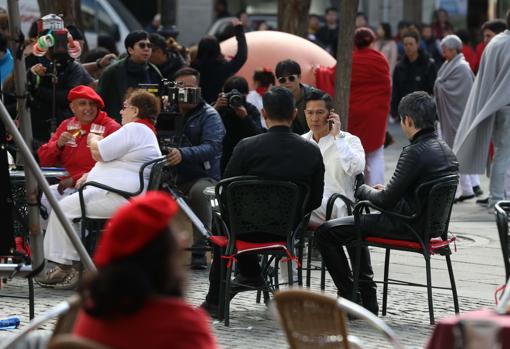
344 158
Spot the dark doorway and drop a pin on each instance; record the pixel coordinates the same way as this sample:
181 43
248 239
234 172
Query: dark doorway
476 16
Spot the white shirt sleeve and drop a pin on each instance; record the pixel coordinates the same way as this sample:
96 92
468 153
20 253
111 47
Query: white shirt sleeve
115 145
352 155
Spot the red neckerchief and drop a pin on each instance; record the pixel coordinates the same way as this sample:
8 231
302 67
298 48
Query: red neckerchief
261 90
148 123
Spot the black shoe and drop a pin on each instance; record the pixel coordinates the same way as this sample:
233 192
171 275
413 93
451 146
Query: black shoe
212 309
483 202
464 198
477 190
198 261
243 283
369 300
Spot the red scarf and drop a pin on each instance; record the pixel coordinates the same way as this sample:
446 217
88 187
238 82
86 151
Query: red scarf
148 123
261 90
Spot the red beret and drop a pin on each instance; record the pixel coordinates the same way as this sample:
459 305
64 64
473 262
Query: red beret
86 92
134 225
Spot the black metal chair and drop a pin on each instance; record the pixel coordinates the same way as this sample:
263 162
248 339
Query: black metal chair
502 217
92 227
433 201
249 207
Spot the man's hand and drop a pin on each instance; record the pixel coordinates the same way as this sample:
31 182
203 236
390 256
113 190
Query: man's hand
64 138
334 122
221 102
379 187
174 157
38 69
236 22
106 60
80 182
64 184
241 112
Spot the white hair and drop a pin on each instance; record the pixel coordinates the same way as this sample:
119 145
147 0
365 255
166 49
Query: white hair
452 42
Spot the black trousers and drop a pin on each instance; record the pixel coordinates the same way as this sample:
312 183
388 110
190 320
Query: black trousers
333 235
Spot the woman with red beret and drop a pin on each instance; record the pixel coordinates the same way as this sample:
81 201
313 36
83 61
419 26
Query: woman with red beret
139 284
119 158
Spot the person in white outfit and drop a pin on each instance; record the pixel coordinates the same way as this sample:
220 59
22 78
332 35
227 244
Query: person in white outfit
119 158
263 79
342 153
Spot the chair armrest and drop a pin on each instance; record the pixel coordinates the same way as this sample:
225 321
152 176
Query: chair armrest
365 203
331 202
122 193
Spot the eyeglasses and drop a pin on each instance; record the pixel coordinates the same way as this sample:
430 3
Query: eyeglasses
291 78
318 112
144 45
125 106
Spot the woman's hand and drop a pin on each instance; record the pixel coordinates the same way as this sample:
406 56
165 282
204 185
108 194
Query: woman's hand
80 182
92 140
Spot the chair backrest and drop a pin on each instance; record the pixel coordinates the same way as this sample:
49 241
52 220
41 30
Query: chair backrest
260 206
502 217
156 174
311 320
436 209
69 341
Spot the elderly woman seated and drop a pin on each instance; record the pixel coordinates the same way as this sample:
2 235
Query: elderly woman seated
139 283
119 158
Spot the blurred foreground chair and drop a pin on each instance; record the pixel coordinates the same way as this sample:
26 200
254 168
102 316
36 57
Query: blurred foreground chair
69 341
502 218
313 320
435 213
261 217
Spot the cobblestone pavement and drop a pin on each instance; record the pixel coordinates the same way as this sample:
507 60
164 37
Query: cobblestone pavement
477 265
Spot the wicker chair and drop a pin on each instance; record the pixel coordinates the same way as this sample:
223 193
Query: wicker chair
314 320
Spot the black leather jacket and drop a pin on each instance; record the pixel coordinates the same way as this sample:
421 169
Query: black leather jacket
425 159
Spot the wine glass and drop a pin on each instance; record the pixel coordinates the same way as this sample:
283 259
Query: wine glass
97 129
74 128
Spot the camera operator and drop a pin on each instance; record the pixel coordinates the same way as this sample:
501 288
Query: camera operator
241 119
167 61
52 73
197 156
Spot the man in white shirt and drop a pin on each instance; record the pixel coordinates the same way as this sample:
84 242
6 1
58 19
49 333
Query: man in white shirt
342 153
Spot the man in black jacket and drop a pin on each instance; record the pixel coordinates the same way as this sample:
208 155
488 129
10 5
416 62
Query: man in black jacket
278 154
416 71
425 159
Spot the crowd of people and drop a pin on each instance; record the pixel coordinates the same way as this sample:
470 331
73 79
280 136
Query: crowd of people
98 121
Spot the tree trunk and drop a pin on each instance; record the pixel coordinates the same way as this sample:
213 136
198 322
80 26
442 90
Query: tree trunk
293 16
168 12
347 15
69 9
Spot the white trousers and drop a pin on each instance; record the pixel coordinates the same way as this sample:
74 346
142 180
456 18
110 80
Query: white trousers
467 182
45 202
374 169
100 204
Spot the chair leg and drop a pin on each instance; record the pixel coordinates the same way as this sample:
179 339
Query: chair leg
31 300
452 283
309 263
385 287
264 267
226 301
221 296
355 270
429 290
323 276
289 271
300 259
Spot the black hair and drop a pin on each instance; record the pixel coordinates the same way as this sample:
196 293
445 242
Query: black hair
411 33
135 36
279 104
496 25
508 19
33 31
362 14
75 32
387 30
403 24
158 41
186 71
319 95
287 67
208 53
313 15
123 286
264 77
3 42
106 41
95 54
329 9
236 83
463 35
420 107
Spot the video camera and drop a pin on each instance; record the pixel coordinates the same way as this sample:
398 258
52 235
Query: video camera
179 94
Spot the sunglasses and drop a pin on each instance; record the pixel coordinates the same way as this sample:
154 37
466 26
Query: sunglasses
143 45
291 78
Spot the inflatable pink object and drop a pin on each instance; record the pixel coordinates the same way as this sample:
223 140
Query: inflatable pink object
267 48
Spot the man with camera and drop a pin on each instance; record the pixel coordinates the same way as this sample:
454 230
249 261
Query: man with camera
241 119
128 73
197 155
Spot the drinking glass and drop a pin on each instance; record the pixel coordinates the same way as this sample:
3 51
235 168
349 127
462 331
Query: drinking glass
97 129
74 128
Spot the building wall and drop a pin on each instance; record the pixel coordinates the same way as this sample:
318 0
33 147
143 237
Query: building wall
193 19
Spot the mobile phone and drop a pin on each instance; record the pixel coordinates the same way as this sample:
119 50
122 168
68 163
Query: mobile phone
330 122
